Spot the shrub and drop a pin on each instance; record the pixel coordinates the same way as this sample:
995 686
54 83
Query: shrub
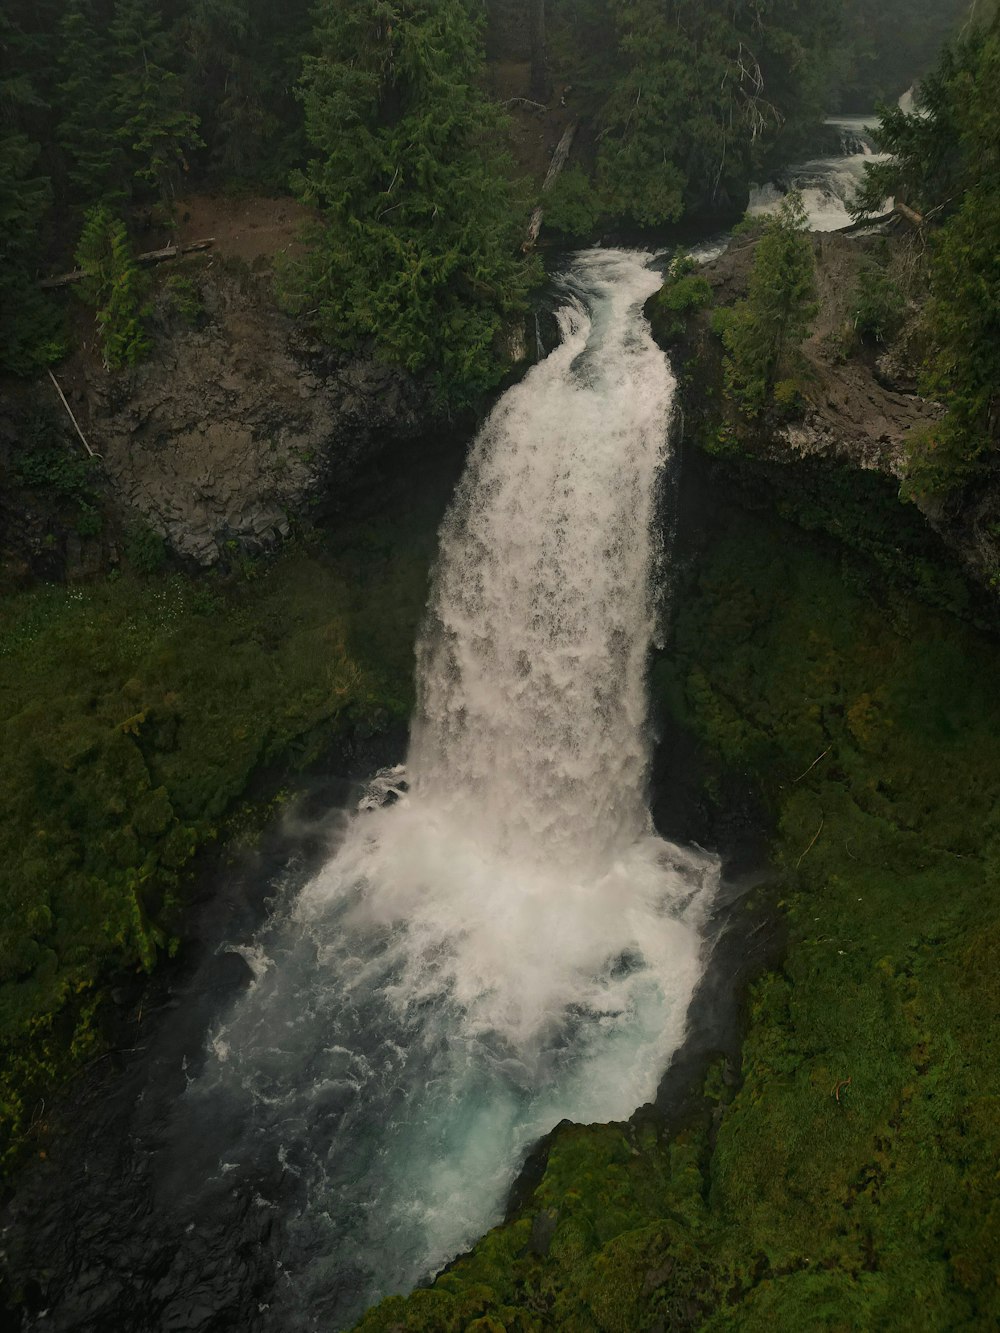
184 299
115 287
145 550
684 291
878 307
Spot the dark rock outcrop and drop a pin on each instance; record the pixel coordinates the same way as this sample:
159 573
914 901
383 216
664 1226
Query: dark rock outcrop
237 425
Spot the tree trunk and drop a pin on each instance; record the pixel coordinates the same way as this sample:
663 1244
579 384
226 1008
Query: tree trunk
555 166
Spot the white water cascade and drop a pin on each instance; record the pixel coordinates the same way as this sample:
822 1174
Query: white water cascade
508 943
827 184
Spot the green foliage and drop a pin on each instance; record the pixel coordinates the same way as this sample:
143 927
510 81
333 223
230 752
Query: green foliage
58 469
849 1182
243 58
419 248
684 291
154 129
762 334
86 102
144 549
133 715
878 307
45 460
572 205
699 93
115 287
30 333
946 164
184 299
892 41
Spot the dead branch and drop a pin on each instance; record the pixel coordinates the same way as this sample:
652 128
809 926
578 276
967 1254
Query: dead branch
911 215
72 418
840 1086
812 844
813 764
525 101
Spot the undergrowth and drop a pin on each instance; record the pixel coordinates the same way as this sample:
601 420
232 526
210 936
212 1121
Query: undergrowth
134 714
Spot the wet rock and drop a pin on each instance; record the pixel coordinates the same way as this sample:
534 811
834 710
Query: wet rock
543 1228
226 971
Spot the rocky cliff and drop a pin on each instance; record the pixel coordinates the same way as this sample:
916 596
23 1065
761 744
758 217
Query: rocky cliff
239 423
860 403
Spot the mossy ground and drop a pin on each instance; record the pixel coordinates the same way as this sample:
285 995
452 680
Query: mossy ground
136 716
850 1181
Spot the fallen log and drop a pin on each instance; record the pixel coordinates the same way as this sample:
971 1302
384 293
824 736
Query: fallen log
559 158
150 257
911 215
525 101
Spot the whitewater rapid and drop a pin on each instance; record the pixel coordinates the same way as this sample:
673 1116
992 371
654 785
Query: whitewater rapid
501 941
828 185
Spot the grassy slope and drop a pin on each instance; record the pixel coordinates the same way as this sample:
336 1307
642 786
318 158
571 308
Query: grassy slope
134 714
783 1206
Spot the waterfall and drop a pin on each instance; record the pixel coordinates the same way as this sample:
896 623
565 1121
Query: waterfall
827 184
506 943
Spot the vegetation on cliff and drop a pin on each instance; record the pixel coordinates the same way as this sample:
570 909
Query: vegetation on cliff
380 109
134 716
763 333
945 163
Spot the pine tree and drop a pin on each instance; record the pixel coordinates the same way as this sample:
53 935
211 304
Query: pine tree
244 58
420 248
30 334
155 130
86 129
762 334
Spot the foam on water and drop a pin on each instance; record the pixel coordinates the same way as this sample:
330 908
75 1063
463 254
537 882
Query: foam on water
501 941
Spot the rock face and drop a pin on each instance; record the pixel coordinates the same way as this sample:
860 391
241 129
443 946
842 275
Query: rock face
853 413
861 404
233 425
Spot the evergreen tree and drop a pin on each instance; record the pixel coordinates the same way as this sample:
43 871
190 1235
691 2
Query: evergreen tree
420 245
762 334
893 42
944 160
29 329
114 286
244 59
86 129
155 130
700 93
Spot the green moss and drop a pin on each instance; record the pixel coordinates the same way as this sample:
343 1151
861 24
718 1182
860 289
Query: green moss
134 715
850 1181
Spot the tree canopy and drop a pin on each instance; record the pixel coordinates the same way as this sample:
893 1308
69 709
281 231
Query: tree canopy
381 110
419 249
763 334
